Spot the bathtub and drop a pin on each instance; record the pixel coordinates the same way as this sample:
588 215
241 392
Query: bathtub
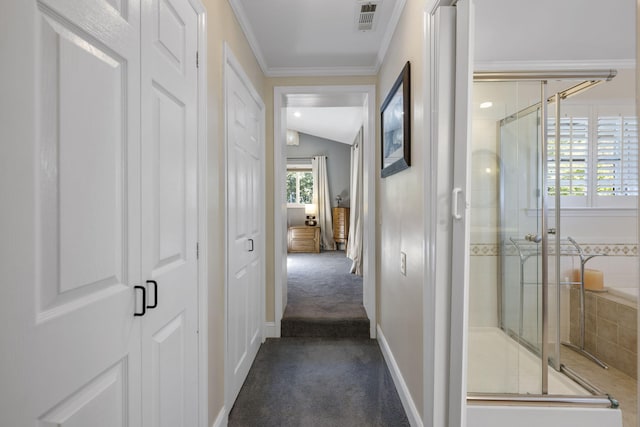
490 353
498 364
630 294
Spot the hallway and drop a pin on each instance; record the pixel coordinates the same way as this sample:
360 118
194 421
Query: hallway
318 382
324 298
325 371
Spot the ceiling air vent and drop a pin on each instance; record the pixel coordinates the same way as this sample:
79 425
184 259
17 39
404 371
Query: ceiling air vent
366 15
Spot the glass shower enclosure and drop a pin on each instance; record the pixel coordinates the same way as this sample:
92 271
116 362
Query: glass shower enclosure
516 242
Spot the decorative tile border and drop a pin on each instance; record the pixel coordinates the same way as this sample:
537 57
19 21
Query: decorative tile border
485 249
610 249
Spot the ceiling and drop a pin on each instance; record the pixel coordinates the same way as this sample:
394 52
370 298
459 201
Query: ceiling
339 124
337 116
310 37
321 38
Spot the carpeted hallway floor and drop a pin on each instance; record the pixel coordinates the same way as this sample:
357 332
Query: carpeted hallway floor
317 382
324 298
325 371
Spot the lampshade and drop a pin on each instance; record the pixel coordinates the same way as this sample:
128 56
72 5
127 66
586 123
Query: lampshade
310 209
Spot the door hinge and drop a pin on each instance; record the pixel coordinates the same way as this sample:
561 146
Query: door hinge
197 250
197 59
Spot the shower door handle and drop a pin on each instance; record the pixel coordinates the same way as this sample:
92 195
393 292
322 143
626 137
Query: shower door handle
454 203
533 238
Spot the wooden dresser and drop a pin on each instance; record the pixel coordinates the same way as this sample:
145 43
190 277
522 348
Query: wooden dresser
341 225
304 239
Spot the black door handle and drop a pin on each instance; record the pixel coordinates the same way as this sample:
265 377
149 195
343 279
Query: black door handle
155 293
144 300
251 241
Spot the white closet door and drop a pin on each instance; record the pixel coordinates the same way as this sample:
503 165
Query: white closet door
169 213
70 213
245 195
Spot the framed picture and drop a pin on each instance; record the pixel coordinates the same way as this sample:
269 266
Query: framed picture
395 124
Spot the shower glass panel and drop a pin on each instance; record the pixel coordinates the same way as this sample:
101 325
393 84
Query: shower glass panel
520 228
520 265
505 315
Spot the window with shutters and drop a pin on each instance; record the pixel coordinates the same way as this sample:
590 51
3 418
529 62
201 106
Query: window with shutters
574 156
617 161
598 157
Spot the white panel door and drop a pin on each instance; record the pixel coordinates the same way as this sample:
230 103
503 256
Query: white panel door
245 236
169 213
70 213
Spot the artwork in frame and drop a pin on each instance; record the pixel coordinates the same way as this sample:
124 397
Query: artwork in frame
395 122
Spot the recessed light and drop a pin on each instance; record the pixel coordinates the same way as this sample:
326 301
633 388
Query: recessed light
487 104
297 114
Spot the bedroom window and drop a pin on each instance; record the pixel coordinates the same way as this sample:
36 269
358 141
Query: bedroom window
299 187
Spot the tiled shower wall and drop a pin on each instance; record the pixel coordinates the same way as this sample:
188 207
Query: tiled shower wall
620 267
611 331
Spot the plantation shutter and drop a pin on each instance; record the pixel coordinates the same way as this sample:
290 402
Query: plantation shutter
617 151
574 150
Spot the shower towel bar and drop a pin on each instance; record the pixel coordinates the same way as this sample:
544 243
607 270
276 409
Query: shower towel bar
527 248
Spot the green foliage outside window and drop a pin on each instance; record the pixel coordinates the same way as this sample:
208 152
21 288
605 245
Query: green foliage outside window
299 187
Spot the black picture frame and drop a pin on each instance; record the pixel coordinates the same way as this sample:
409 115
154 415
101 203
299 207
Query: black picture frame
395 125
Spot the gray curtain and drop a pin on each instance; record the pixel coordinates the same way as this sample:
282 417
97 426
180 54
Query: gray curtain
354 245
322 200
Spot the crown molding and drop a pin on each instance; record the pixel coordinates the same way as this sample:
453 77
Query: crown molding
241 16
320 71
388 35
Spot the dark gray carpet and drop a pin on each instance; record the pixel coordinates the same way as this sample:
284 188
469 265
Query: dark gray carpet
316 382
324 299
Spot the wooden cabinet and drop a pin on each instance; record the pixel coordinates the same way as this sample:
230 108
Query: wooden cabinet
304 239
341 225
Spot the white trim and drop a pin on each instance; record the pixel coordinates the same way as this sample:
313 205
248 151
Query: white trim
438 128
225 101
203 240
401 386
279 207
391 30
270 330
320 71
241 16
554 65
371 172
221 420
460 244
230 61
243 20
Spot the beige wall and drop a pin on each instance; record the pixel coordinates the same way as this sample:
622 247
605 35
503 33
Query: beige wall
400 206
399 306
270 84
221 26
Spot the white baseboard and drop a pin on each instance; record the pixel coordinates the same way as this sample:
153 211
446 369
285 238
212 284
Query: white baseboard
270 330
403 391
221 419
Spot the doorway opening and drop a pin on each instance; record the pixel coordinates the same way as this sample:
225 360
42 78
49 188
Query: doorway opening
316 213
